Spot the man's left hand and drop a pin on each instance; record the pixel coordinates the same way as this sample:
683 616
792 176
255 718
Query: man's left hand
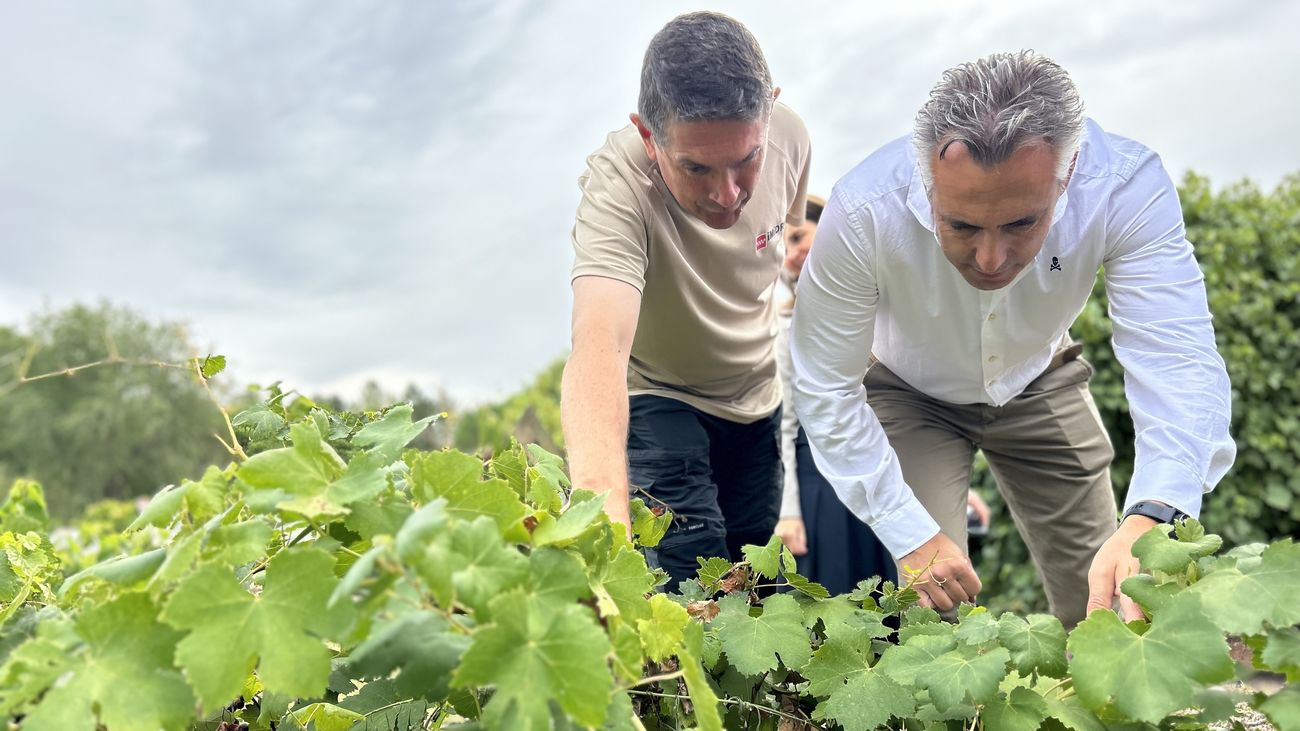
1113 563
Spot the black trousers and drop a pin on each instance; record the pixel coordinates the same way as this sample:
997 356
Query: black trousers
721 480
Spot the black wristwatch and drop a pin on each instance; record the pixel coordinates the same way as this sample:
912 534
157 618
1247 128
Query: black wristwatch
1156 511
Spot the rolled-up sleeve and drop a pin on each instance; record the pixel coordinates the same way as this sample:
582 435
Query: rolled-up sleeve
831 339
1175 380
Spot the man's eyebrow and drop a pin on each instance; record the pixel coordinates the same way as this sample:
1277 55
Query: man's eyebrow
1023 220
752 153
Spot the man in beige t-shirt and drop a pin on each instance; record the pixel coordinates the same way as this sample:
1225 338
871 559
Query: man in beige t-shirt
672 388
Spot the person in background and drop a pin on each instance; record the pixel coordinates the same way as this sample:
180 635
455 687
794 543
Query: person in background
950 265
671 387
831 545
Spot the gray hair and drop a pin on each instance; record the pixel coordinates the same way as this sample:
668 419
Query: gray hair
995 106
703 66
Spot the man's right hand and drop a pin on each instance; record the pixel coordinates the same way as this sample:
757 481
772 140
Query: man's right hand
950 578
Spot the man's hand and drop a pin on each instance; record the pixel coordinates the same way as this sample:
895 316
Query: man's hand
951 578
791 532
618 510
1113 563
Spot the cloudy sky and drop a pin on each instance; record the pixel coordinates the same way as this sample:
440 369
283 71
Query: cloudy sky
331 192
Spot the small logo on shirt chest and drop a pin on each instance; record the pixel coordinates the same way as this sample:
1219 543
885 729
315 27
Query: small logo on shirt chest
762 240
1056 265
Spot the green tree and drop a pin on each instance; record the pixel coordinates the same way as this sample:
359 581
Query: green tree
118 430
531 416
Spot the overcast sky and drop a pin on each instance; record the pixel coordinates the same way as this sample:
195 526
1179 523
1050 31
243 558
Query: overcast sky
331 192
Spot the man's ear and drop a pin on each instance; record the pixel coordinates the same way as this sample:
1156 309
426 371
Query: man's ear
647 137
776 92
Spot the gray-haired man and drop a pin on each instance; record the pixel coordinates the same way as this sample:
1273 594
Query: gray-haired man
949 268
672 379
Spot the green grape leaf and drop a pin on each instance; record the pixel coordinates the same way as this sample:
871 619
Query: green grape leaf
835 661
866 700
125 648
964 674
976 626
1150 593
661 635
534 652
806 587
279 631
1241 599
556 576
385 707
711 572
1148 675
703 698
627 652
212 365
325 717
457 478
383 515
422 645
584 506
1156 551
511 465
259 423
1071 713
546 479
1036 643
861 622
648 527
364 479
1021 710
765 560
620 586
1282 652
902 661
24 509
387 436
35 664
239 543
1283 708
754 644
476 563
121 570
305 469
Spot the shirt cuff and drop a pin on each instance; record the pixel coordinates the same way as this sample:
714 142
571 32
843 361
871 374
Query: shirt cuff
1168 481
905 529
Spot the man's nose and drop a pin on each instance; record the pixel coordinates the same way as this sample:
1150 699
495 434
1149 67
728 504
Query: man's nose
726 190
991 255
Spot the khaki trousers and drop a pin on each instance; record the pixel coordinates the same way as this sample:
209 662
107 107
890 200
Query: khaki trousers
1048 452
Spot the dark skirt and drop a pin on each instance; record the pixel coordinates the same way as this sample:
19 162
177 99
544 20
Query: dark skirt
842 550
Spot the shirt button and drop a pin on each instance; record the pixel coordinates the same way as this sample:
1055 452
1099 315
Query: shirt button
992 316
993 359
989 384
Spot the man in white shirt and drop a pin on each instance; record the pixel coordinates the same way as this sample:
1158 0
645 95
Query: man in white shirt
949 267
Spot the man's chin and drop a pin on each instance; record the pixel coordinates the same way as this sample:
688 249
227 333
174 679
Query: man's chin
719 221
988 283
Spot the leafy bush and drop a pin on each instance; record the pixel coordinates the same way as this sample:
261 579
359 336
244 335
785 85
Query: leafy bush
337 580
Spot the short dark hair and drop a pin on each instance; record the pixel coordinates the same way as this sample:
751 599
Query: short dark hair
703 66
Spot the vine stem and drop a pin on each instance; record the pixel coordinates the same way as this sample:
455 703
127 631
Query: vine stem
731 702
652 680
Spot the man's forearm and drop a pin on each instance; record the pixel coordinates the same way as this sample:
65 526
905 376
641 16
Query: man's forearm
593 409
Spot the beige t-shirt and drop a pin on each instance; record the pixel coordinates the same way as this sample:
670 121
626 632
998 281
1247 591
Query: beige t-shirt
707 324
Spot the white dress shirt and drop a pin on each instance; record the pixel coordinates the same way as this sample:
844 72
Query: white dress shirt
877 282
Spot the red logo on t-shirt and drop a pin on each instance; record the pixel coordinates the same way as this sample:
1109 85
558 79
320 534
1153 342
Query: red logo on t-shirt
761 240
